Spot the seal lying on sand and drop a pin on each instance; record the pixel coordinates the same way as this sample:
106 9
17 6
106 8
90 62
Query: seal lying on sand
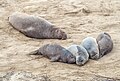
105 43
80 53
35 27
55 53
90 44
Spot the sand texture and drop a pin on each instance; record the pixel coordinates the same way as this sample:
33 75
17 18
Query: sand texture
79 19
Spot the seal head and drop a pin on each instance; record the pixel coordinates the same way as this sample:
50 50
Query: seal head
105 43
90 44
80 53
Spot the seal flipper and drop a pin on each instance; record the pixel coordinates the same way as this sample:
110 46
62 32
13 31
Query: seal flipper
34 52
54 59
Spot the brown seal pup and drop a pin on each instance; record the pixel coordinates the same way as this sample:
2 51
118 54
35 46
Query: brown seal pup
35 27
105 43
90 44
55 53
80 53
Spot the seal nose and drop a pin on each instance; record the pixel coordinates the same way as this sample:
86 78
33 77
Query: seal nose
81 60
71 60
95 57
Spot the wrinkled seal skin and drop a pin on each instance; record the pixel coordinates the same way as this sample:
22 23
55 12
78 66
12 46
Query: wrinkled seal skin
35 27
80 53
105 43
90 44
55 53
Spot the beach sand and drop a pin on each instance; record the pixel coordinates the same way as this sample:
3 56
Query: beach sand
79 19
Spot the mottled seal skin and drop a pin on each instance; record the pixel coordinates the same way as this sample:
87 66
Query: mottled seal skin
35 27
80 53
90 44
105 43
55 53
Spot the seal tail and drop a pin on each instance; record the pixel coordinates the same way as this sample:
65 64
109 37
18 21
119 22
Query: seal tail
34 52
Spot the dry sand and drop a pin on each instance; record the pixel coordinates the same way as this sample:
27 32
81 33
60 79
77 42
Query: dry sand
79 19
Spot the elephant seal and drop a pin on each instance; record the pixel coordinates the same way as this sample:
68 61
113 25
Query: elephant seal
90 44
55 53
105 43
80 53
35 27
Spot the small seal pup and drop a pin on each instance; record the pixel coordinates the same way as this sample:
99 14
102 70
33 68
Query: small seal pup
80 53
55 53
105 43
35 27
90 44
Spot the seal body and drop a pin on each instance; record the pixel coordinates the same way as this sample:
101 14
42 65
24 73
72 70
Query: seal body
90 44
80 53
105 43
35 27
56 53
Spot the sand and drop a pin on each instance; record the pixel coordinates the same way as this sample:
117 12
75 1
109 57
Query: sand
79 19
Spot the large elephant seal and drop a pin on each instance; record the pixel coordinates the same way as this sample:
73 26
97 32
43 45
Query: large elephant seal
90 44
55 53
80 53
105 43
35 27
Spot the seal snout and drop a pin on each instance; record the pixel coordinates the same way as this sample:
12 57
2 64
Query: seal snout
80 60
95 55
72 60
64 36
59 34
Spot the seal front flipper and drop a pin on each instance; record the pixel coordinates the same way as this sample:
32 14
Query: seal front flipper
54 59
34 52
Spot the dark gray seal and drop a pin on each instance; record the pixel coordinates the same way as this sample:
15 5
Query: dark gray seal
55 53
105 43
80 53
35 27
90 44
